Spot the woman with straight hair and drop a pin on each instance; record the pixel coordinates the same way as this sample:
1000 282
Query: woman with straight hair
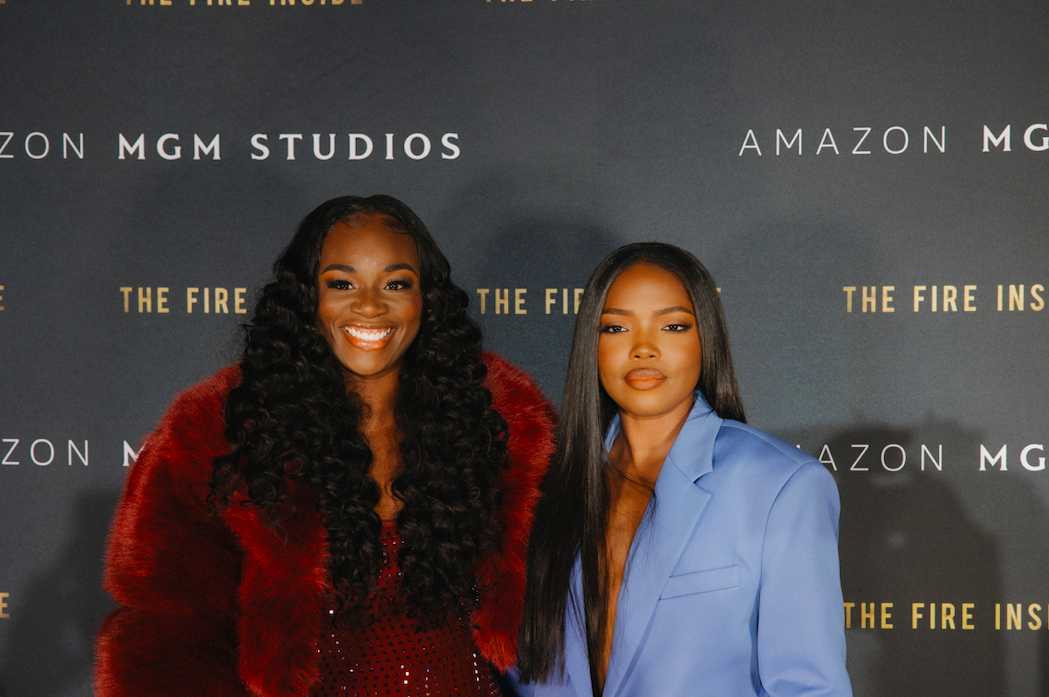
676 551
345 511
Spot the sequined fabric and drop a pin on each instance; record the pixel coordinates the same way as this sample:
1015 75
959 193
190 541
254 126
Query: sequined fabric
389 656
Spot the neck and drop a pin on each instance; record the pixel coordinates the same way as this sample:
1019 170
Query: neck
379 396
380 431
644 442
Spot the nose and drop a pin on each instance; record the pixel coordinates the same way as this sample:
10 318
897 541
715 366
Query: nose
644 347
368 303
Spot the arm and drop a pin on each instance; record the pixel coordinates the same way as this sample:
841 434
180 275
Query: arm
801 634
172 568
531 421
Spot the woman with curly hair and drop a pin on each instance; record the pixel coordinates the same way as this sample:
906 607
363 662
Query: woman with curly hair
677 551
346 510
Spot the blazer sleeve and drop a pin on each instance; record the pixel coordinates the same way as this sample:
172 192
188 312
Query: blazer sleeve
801 622
172 568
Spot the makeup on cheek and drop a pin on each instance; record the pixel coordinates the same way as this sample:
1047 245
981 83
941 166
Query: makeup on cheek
369 303
648 349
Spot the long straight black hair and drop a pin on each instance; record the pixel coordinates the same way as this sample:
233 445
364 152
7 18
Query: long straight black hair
571 518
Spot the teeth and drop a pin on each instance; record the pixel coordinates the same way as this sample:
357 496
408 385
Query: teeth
368 334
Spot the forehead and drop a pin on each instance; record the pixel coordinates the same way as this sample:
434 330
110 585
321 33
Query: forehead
366 239
645 286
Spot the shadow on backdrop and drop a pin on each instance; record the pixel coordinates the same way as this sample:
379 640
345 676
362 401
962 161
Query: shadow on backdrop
50 648
911 536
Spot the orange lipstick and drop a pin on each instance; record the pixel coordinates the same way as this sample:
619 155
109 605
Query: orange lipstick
368 338
644 378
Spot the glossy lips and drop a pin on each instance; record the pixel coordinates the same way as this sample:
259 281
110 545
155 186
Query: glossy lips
644 378
368 338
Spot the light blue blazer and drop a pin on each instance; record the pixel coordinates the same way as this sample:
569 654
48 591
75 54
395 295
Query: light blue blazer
732 584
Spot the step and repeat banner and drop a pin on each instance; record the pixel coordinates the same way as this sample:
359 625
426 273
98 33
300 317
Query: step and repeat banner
868 183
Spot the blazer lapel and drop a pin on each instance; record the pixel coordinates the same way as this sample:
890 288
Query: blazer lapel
661 539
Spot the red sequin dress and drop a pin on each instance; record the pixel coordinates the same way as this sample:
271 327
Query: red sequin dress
390 656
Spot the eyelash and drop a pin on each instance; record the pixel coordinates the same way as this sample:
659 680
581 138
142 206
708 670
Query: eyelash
676 327
398 284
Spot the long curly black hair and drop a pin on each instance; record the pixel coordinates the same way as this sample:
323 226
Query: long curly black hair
291 417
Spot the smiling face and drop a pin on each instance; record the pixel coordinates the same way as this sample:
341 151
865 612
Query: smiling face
648 352
369 296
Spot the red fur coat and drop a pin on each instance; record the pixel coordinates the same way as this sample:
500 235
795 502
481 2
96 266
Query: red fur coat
217 605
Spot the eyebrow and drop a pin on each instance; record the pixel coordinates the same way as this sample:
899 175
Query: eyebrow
388 269
676 308
665 311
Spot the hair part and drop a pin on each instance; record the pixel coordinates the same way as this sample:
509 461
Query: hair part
292 416
571 519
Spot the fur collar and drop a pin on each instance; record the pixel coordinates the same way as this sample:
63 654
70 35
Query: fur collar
277 599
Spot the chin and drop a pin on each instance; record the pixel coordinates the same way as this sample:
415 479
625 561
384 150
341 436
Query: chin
653 405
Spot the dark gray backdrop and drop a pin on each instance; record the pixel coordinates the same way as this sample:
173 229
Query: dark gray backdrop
579 125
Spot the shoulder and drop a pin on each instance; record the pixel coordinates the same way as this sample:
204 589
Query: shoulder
191 433
740 441
204 403
518 399
759 456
